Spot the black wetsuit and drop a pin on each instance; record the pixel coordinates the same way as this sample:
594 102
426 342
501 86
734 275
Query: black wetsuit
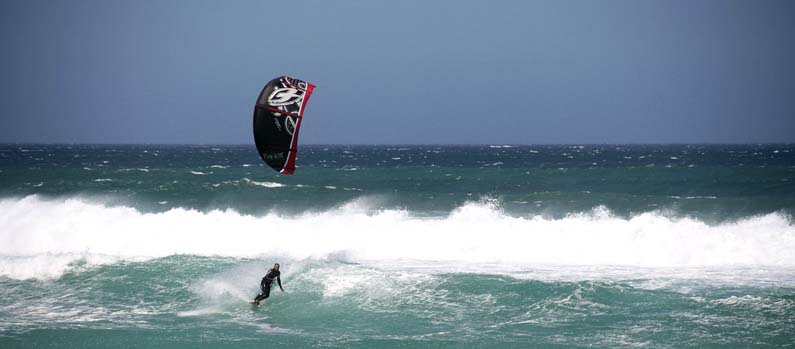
266 284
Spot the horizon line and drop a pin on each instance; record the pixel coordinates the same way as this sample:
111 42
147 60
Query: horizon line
402 144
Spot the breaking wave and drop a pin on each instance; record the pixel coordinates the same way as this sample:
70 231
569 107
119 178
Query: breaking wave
44 237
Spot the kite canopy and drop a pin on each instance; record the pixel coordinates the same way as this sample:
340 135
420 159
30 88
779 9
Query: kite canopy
277 119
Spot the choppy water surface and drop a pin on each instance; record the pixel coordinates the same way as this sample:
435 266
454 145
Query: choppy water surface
411 246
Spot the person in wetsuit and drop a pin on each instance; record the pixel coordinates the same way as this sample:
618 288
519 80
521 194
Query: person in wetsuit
267 282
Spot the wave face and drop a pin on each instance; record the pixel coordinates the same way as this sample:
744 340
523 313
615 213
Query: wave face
41 237
202 301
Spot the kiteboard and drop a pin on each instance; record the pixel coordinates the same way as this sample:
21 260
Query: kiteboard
277 120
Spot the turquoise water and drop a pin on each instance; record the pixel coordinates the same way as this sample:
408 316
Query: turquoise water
398 246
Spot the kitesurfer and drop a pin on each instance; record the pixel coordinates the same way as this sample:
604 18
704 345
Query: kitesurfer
267 282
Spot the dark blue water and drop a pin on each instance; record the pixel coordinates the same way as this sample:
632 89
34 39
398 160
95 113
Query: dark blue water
713 182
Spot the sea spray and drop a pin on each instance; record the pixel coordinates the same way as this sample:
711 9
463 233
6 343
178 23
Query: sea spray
36 228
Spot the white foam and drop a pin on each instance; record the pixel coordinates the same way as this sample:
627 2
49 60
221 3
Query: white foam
756 303
49 265
263 184
66 230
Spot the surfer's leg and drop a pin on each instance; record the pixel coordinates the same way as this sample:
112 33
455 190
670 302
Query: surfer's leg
266 292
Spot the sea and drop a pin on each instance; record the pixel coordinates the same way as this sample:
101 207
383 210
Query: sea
409 246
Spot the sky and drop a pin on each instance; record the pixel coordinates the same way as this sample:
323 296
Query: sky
401 71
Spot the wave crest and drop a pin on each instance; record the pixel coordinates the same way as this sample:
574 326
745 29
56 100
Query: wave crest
32 227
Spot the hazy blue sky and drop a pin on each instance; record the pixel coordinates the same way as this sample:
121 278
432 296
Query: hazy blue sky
400 71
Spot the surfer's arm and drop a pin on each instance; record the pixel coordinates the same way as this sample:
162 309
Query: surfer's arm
279 280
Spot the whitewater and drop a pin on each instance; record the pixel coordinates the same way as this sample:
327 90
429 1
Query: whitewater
409 246
41 238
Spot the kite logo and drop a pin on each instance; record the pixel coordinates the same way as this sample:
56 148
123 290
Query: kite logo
273 156
284 96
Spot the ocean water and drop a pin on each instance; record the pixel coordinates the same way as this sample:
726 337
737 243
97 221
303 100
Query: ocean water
398 246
